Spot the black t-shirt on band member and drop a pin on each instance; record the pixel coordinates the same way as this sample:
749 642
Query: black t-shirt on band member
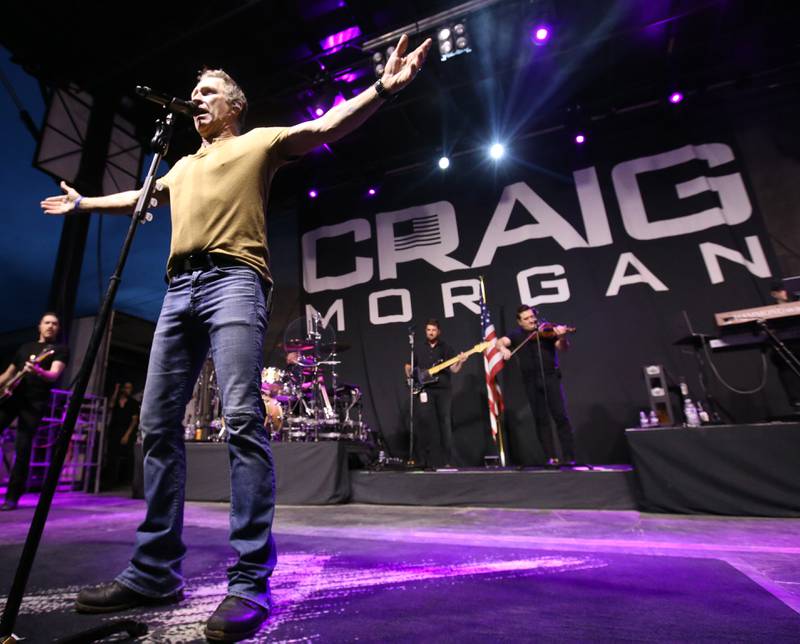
32 387
529 354
428 356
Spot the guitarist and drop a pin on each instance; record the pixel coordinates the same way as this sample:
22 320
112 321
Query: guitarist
541 376
434 402
30 398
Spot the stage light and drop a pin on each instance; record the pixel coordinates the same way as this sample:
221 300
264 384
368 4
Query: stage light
496 151
676 97
312 194
378 64
540 34
372 192
444 163
580 138
319 111
453 40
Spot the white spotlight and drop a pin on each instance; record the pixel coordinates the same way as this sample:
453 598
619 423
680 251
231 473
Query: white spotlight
444 163
497 151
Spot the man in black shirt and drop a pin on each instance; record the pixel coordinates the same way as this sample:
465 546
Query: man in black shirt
29 398
122 425
538 360
435 401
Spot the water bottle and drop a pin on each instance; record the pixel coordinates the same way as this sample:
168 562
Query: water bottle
644 421
653 419
690 413
703 414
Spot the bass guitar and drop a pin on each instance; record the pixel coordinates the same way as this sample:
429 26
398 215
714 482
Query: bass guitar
12 384
424 377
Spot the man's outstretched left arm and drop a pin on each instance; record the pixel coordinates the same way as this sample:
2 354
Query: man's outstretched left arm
348 116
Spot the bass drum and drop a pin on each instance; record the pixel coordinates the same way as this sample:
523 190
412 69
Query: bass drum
273 418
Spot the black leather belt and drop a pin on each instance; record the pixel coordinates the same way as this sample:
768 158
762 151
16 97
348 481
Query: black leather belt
202 262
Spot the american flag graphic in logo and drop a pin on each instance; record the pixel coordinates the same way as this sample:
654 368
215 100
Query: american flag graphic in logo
425 231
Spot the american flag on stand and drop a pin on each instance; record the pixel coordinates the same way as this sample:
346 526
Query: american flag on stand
493 364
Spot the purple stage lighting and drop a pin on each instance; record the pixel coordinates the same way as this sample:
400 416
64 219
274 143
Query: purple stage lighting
319 111
336 40
580 138
372 192
312 194
675 97
540 34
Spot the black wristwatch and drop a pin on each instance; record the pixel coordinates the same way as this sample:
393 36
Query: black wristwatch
381 91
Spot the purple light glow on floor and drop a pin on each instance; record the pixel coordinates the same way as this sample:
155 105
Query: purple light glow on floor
305 586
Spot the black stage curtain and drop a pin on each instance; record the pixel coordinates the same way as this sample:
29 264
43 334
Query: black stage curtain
728 469
618 238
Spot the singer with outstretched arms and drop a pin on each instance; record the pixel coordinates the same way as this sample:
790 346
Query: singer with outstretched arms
218 298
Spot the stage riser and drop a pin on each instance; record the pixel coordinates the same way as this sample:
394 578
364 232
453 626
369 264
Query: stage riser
317 474
305 473
741 470
576 490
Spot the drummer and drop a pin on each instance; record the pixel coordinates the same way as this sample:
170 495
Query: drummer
297 366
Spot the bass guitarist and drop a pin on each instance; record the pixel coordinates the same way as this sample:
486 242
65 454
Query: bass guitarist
435 400
24 394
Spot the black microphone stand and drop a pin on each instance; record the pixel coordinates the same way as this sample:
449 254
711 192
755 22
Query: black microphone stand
783 352
550 421
550 428
160 144
410 382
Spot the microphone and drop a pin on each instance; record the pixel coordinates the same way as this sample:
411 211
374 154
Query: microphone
187 108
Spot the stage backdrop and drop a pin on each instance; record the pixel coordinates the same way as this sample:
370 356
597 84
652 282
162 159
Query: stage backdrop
618 238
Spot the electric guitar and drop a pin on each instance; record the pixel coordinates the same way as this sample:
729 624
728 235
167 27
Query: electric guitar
12 384
424 377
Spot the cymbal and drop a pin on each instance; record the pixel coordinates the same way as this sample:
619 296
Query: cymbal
297 344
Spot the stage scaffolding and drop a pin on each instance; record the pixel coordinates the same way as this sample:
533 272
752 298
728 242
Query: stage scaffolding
83 462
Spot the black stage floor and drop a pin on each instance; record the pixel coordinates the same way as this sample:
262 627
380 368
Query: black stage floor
373 573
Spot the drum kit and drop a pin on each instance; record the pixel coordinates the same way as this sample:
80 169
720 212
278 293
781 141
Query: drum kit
304 399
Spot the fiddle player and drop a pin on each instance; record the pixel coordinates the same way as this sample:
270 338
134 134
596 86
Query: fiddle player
541 376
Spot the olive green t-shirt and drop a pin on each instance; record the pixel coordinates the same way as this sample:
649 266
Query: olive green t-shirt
218 198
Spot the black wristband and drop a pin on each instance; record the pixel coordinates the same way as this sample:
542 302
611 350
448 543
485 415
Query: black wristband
381 91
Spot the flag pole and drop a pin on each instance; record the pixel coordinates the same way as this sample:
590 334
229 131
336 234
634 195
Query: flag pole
499 438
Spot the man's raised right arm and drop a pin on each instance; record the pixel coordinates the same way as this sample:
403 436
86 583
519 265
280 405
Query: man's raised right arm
120 203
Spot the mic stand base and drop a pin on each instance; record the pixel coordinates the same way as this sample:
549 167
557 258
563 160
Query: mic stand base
129 626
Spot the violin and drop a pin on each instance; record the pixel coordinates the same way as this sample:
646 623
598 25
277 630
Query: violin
547 330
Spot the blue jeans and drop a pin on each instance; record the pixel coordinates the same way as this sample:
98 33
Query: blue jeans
226 309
